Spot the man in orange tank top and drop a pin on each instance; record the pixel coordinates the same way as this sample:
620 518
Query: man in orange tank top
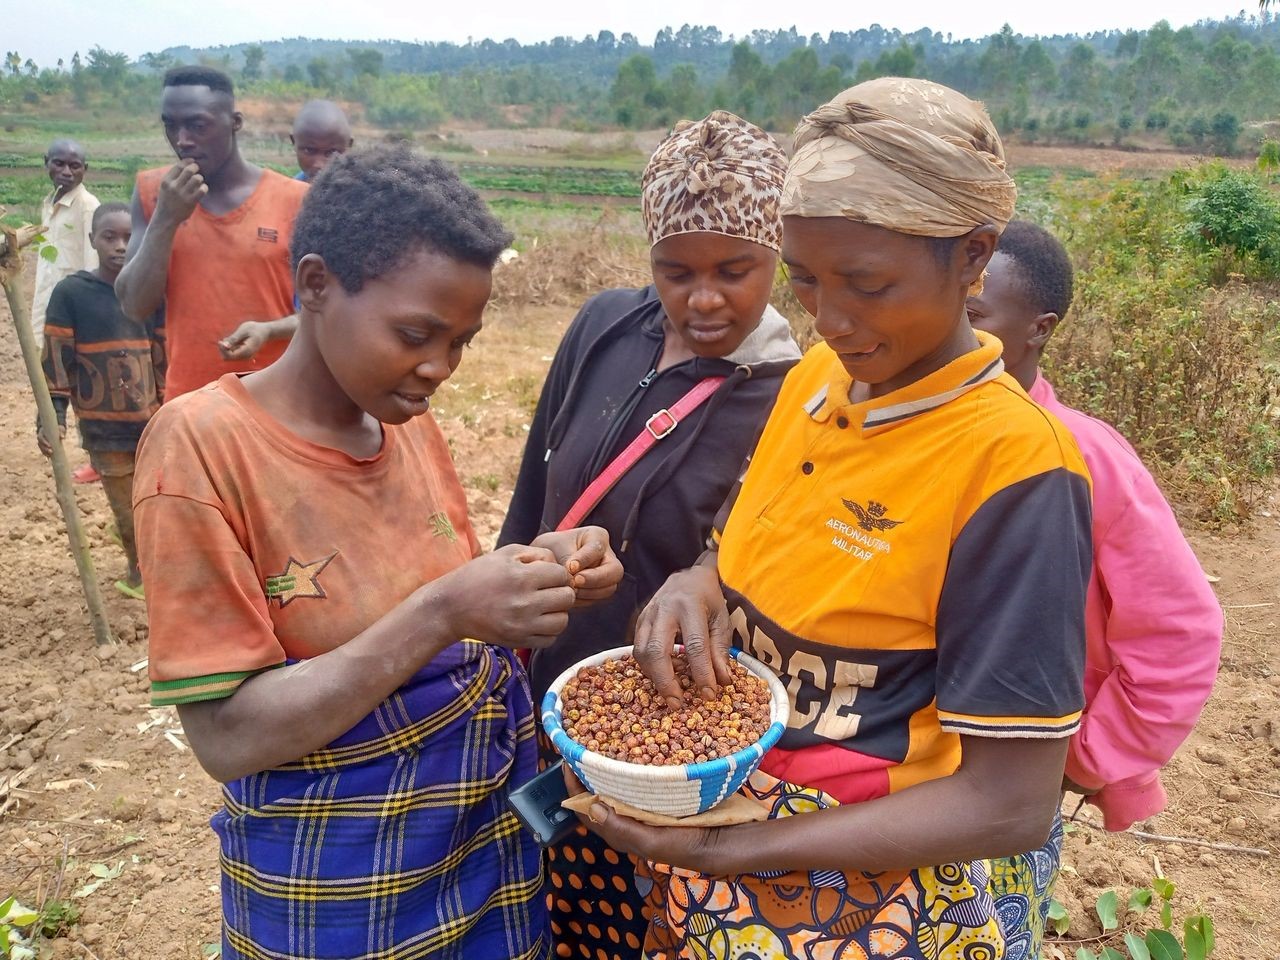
211 240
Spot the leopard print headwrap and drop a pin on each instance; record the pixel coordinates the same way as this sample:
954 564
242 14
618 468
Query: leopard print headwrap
716 175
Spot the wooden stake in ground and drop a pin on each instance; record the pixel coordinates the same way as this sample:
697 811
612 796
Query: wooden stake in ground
11 278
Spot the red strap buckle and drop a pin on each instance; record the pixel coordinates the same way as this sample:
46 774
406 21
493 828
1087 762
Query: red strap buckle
666 422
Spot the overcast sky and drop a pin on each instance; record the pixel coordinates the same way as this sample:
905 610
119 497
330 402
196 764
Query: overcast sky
47 32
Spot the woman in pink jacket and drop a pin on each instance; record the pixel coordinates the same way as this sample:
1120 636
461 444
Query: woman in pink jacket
1153 625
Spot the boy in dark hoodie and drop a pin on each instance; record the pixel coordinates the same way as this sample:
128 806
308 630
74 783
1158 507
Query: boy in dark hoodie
107 366
628 368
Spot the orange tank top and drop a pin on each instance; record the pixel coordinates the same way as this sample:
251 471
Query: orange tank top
222 271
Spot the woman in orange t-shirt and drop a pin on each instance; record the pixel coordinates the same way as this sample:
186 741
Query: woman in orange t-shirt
311 576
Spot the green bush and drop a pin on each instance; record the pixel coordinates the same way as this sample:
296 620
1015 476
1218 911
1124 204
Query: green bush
1234 217
1198 129
404 100
1163 343
1269 156
1225 130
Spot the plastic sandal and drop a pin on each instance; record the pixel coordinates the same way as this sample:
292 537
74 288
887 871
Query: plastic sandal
134 593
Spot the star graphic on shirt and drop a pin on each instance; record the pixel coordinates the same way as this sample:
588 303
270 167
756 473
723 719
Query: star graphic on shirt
299 581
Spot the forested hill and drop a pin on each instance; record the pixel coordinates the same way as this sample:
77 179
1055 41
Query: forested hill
1199 86
1186 85
709 51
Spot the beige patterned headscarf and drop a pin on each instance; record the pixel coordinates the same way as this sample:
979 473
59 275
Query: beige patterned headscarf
716 175
908 155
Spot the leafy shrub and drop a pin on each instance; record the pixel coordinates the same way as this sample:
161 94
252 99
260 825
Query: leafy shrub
24 930
1269 156
1225 129
1125 931
404 101
1232 214
1198 129
1178 356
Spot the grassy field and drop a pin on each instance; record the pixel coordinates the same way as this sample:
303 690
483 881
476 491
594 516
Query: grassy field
570 176
518 175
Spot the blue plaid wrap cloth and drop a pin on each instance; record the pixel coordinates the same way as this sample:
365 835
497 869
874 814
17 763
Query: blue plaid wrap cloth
395 841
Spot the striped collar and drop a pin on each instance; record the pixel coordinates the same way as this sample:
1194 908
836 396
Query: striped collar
940 387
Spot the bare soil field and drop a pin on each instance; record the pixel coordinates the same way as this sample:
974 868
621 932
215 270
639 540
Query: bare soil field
1090 158
1106 159
98 788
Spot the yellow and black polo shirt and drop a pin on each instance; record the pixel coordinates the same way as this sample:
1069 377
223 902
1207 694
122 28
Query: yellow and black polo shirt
913 567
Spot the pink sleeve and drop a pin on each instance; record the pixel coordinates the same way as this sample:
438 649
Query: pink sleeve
1163 635
1125 803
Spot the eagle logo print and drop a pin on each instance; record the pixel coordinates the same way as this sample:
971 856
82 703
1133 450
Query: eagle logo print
872 516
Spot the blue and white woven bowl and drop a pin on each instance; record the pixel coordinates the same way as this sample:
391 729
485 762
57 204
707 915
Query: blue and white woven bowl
677 791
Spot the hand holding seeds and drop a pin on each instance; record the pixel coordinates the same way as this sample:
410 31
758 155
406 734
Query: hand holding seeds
690 605
516 596
584 552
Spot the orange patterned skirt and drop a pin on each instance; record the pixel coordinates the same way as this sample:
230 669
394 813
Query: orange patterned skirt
945 912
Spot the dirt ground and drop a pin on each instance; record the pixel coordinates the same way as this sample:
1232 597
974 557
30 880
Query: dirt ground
99 787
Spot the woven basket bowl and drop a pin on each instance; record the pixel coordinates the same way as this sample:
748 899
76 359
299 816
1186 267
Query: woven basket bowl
677 791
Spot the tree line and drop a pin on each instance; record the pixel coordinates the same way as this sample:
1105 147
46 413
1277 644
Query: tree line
1200 86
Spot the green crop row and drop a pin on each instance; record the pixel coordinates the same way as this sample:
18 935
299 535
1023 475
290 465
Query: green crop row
552 180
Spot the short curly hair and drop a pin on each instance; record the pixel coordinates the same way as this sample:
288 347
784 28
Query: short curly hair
199 76
1044 267
105 209
371 209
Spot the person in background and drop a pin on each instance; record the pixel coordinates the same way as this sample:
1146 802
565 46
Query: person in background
1153 627
109 368
66 216
228 313
908 551
321 132
710 196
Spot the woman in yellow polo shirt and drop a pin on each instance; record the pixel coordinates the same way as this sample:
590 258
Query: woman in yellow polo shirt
908 550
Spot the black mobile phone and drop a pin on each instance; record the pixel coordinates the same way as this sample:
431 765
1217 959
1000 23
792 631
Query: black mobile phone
537 806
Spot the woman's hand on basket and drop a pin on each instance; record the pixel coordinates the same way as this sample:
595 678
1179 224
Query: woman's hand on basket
693 848
584 552
690 605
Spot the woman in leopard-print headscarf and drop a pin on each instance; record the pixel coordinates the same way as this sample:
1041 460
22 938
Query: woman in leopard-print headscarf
711 195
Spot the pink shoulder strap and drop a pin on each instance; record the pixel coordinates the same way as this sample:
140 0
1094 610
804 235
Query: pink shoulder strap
658 426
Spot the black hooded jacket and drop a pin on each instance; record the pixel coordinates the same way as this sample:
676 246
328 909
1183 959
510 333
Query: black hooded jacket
599 392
